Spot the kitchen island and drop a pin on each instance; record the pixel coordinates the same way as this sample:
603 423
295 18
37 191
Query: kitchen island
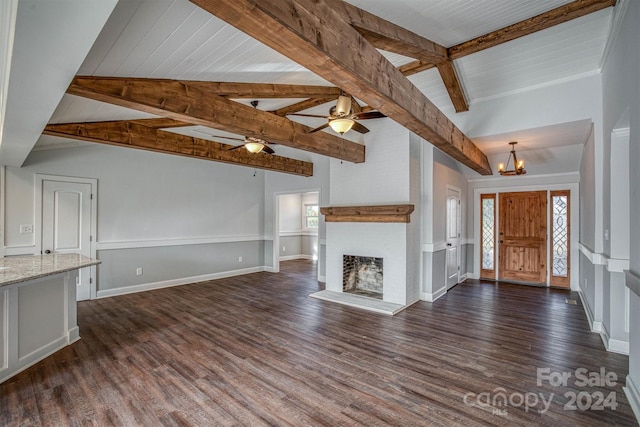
38 310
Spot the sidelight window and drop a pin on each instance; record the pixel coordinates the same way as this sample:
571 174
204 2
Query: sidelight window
487 227
560 238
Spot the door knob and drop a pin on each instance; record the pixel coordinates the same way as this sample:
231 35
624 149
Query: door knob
448 244
47 251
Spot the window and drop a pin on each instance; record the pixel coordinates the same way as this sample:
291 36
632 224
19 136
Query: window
560 238
487 227
311 216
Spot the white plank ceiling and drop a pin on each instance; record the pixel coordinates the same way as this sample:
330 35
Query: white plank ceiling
175 39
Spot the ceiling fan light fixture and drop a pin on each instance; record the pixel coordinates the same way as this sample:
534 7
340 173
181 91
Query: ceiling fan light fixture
341 125
254 147
343 106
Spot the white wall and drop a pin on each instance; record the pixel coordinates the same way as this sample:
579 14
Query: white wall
621 99
565 102
290 213
385 178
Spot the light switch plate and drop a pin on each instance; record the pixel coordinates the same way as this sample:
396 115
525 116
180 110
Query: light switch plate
26 228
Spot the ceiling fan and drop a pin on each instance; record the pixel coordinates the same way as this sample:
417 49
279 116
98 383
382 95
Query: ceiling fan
250 143
341 117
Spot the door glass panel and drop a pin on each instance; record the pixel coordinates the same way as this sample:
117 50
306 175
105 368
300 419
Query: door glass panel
560 235
488 233
452 220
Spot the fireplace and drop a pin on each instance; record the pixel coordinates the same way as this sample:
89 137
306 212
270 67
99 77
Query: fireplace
362 275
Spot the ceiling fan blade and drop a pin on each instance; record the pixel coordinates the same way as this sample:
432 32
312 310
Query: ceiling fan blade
319 128
268 150
359 128
368 115
236 147
227 137
307 115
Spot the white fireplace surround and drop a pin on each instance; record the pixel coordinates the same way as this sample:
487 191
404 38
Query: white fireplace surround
379 240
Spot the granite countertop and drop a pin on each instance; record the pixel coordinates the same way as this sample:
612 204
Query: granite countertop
22 268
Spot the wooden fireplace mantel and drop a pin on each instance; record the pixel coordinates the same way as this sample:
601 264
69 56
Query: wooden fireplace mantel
379 213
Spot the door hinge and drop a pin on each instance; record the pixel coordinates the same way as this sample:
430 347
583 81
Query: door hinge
91 197
458 268
90 280
459 202
91 238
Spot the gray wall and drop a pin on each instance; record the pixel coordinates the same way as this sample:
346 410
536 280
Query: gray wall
165 263
146 201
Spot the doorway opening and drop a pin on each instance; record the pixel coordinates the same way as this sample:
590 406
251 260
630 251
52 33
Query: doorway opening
525 237
296 227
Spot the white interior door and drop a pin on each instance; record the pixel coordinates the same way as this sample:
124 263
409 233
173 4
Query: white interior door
66 224
453 237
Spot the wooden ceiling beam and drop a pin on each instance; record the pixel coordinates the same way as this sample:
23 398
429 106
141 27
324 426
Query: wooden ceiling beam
556 16
179 100
264 90
160 123
559 15
134 134
303 105
452 83
390 37
317 36
415 67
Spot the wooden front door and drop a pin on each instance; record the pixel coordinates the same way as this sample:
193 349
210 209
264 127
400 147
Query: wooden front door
523 236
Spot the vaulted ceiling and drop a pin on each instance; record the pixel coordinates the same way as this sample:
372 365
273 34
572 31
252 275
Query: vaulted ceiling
442 56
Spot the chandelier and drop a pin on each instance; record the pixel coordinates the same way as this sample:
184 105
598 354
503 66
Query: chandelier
518 165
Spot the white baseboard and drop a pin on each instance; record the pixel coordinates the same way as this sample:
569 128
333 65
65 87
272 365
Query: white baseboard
473 276
74 335
593 325
322 279
633 396
176 282
463 278
292 257
618 346
610 344
434 296
269 269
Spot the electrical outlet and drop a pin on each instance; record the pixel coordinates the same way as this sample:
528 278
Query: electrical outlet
239 259
284 249
139 271
26 228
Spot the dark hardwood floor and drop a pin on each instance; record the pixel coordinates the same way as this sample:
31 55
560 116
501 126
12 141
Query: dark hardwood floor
256 350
